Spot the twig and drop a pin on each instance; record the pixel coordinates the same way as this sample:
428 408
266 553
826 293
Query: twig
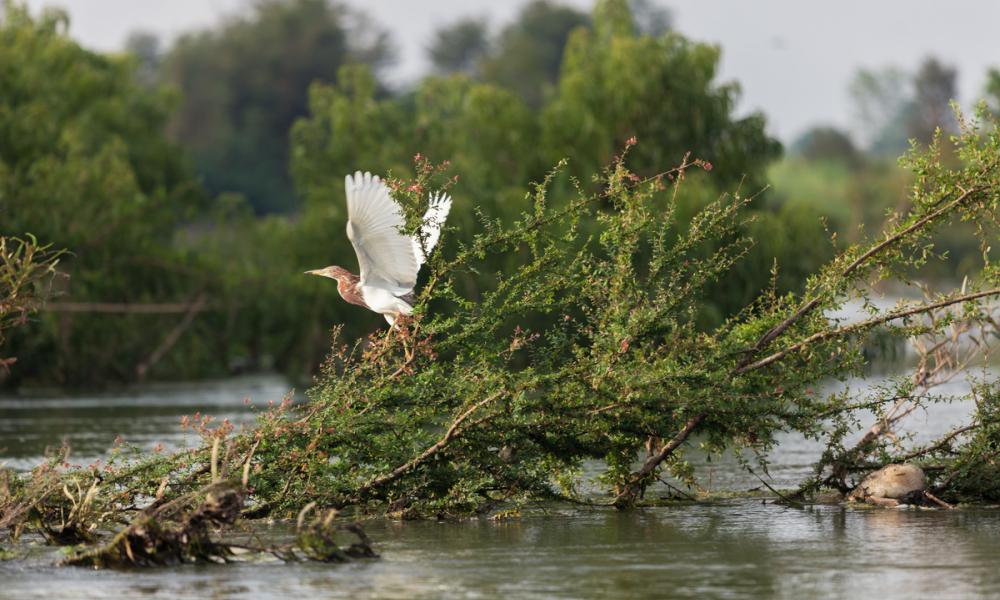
938 444
784 498
841 331
780 328
453 432
937 500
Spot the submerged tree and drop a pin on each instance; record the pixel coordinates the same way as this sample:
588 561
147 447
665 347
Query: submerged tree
485 408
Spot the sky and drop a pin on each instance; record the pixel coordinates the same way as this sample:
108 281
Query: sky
793 59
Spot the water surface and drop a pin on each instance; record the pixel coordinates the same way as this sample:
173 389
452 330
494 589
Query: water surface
738 548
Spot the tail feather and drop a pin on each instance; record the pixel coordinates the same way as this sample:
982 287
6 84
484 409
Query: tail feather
430 232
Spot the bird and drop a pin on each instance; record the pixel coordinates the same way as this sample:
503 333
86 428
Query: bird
388 260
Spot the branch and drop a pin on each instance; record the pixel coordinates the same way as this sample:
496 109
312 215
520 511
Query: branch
780 328
168 342
453 432
938 445
626 497
831 333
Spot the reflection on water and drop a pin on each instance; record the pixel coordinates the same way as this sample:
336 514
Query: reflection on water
739 548
734 549
146 418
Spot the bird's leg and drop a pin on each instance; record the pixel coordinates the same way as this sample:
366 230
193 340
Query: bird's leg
402 322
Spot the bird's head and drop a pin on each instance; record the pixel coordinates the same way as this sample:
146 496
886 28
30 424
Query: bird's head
333 272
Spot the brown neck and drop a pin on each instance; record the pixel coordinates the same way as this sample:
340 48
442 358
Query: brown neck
347 286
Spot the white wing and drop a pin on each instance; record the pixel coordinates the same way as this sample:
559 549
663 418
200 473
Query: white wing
386 257
430 231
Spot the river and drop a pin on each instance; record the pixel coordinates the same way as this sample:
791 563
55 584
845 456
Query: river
724 549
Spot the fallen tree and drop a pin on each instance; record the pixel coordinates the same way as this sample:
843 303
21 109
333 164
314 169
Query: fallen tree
590 351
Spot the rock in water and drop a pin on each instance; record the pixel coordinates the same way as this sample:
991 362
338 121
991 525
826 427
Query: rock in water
890 483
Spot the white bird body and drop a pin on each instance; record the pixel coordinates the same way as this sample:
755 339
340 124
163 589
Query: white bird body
388 259
384 302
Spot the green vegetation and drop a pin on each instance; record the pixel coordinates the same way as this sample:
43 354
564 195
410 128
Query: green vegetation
26 270
858 187
486 407
611 311
244 85
166 281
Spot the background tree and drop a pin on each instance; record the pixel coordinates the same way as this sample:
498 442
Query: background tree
933 91
824 143
458 48
881 99
615 85
145 47
529 51
97 176
993 91
244 84
651 18
893 106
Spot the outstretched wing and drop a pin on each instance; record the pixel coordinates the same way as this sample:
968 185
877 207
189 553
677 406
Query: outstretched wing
385 256
430 231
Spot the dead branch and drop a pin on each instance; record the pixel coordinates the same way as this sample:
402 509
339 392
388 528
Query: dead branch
171 338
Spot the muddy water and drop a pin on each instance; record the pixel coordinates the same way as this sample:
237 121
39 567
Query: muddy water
739 548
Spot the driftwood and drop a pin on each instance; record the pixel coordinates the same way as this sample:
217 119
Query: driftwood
189 309
122 308
171 338
191 529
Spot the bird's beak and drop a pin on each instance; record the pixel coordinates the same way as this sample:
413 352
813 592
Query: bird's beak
314 272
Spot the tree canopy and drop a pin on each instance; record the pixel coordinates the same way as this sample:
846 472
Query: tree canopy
244 84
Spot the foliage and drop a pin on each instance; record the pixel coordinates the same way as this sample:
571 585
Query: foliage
525 56
972 472
158 281
615 85
244 84
474 404
496 143
458 47
528 52
83 162
25 270
470 408
827 144
993 91
894 106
